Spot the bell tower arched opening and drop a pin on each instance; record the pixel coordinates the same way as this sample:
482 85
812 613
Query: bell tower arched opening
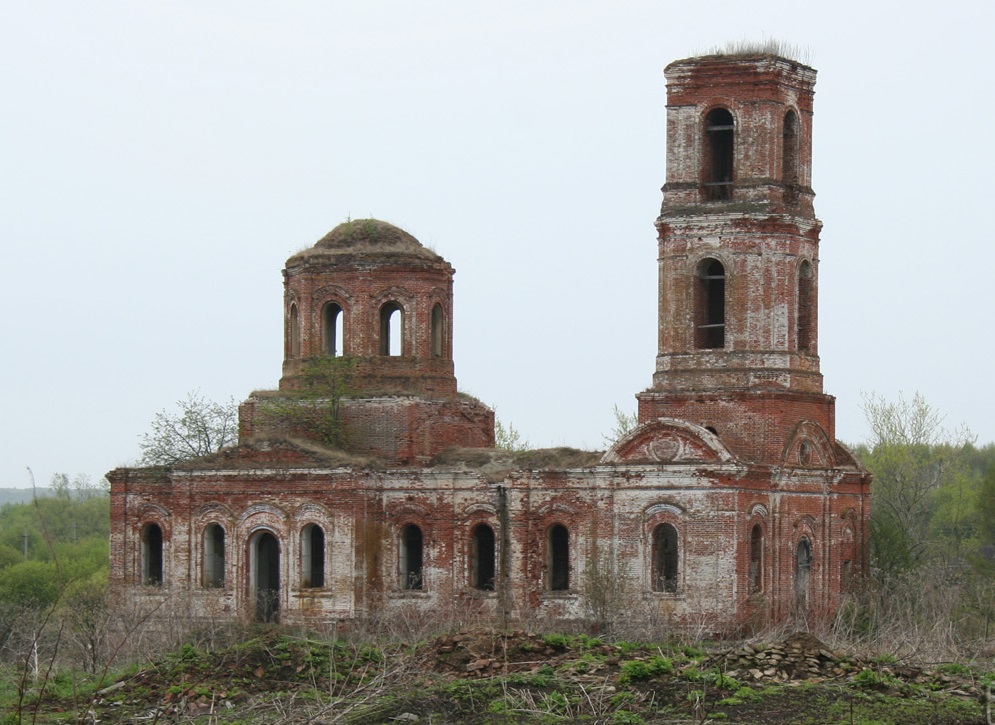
719 151
710 306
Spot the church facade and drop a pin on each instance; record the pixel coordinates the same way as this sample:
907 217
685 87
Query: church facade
367 484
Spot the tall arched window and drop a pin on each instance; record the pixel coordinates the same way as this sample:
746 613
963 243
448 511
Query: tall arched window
151 536
710 304
411 558
214 556
719 154
331 330
803 573
391 325
806 306
437 346
558 558
295 332
665 559
312 557
789 158
756 559
482 561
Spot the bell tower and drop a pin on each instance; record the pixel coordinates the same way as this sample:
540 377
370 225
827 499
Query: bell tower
739 256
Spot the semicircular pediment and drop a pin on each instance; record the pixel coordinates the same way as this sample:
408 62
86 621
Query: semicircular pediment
668 440
809 447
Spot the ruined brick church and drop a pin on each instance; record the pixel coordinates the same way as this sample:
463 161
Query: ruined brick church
368 484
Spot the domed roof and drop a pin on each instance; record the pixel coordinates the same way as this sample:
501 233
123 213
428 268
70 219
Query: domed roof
365 238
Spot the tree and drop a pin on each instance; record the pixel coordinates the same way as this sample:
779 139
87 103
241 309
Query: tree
82 486
86 611
314 409
507 438
201 427
912 457
623 425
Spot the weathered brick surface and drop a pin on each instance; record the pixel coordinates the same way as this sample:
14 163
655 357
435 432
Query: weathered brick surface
735 450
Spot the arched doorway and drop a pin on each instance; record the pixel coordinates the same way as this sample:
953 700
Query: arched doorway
265 576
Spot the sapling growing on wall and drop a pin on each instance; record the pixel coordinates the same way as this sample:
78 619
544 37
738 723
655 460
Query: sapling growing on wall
199 428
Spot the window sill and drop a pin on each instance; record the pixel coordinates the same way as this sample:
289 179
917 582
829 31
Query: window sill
313 592
408 594
664 595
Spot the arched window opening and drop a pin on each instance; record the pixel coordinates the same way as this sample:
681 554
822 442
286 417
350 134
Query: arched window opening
482 560
806 306
558 558
756 559
391 319
151 555
265 576
710 315
411 558
665 559
214 556
711 429
789 159
719 152
295 333
331 330
437 331
312 557
803 574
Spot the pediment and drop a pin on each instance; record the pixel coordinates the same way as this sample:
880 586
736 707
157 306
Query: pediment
668 440
809 447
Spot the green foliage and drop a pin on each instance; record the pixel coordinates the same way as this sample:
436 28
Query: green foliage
624 717
199 428
925 503
634 670
722 681
622 425
986 506
748 694
67 546
315 408
35 584
693 653
585 642
954 668
873 680
507 438
557 641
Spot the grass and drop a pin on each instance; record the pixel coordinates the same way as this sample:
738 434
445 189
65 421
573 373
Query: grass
571 678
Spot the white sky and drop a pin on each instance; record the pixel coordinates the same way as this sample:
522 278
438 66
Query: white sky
161 160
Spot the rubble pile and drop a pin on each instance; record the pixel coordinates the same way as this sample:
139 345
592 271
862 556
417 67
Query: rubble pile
799 657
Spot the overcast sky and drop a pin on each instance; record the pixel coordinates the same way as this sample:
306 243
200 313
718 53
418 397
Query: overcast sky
161 160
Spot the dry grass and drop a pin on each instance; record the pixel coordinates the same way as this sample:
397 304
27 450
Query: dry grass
764 46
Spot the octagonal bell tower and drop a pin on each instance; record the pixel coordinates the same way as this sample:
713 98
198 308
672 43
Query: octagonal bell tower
739 256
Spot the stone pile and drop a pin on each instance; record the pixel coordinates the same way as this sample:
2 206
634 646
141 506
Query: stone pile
799 657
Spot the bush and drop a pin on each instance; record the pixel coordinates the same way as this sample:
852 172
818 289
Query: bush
634 670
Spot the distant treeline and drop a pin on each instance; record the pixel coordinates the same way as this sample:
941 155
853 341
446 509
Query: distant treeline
22 495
